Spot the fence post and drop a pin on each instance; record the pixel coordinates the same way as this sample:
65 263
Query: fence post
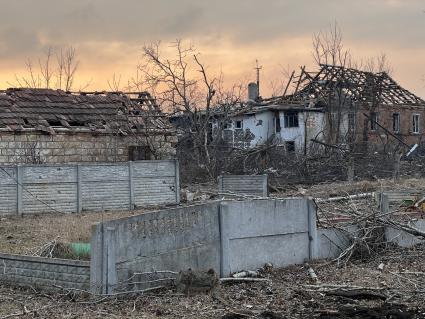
130 184
220 184
266 185
110 271
177 180
312 229
19 185
79 195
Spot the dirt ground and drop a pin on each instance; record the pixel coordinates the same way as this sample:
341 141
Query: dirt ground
26 235
289 293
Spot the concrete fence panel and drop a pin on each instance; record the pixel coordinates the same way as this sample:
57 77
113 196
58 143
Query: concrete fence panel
256 232
34 189
48 188
168 240
46 273
8 191
256 185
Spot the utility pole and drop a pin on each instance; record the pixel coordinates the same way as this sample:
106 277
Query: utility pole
258 68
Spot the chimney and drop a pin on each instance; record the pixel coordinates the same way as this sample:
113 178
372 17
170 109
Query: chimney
253 91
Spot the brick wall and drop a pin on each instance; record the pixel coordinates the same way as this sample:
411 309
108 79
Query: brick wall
79 147
47 273
385 118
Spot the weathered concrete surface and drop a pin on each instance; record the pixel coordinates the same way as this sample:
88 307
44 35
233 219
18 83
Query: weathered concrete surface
244 184
34 189
168 240
46 273
402 238
332 242
256 232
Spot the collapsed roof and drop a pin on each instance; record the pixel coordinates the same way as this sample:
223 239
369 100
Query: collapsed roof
50 111
360 86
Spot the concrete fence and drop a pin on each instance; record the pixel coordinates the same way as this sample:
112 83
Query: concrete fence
45 273
256 185
225 236
29 189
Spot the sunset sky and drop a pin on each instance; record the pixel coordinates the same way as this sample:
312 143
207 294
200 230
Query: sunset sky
109 34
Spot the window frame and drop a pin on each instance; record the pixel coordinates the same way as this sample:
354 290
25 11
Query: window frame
418 116
291 119
396 124
236 124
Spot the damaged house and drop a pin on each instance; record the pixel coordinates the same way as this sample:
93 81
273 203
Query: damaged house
53 126
335 105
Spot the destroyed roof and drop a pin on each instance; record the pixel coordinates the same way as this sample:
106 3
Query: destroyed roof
48 110
360 86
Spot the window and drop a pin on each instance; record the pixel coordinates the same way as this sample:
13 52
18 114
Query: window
396 122
290 146
238 124
277 122
415 122
291 119
137 153
373 121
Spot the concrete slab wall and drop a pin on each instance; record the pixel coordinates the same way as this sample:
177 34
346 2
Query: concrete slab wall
46 273
244 184
34 189
332 242
256 232
168 240
226 236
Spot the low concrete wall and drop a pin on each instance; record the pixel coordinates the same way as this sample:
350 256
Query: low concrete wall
256 232
227 237
168 240
46 273
256 185
332 242
402 238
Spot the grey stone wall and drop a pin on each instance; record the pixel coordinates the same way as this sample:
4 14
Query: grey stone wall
45 273
33 189
32 147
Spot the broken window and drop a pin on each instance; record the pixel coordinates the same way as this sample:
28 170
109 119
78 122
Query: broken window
373 121
415 128
396 122
238 124
291 119
137 153
290 146
277 122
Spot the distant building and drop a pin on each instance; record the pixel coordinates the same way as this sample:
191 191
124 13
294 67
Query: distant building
53 126
335 106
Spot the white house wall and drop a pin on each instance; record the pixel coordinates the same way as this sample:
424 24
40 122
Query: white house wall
259 126
313 121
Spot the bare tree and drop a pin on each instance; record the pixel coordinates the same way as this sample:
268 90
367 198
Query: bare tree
56 73
328 47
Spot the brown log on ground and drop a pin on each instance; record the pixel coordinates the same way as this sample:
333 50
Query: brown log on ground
196 281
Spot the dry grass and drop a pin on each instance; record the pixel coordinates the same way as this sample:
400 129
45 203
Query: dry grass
21 235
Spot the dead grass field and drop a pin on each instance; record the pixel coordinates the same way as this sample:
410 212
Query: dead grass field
23 235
